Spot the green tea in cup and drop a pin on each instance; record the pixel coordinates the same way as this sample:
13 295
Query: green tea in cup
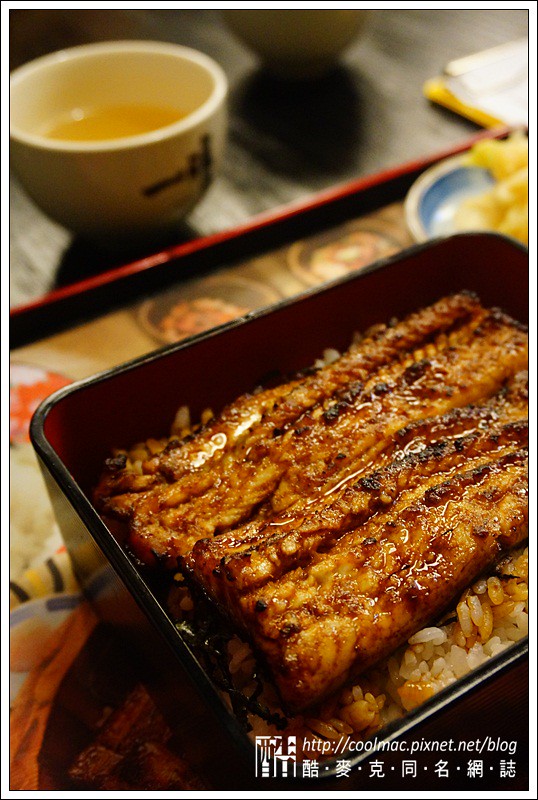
110 122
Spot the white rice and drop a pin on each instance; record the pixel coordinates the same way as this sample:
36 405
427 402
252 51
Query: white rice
34 534
489 617
434 657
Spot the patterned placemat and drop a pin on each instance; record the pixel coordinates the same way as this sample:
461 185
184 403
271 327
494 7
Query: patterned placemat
197 304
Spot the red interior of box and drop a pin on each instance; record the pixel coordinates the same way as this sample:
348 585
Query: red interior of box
131 404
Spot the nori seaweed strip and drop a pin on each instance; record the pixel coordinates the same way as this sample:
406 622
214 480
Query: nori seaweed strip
209 637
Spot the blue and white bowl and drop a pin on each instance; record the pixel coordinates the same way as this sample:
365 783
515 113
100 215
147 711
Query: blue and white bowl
433 200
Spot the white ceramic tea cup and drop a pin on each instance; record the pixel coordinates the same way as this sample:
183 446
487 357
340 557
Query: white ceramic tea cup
297 43
114 189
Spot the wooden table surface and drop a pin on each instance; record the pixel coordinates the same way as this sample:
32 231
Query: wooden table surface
286 141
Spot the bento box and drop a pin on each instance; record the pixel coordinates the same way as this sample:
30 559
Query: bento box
76 429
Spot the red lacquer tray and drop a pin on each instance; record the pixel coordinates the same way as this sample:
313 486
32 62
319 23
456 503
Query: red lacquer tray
300 239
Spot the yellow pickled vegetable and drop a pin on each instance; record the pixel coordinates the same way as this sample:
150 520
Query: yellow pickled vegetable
504 207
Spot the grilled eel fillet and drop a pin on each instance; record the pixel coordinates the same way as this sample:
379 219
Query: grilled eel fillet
270 449
319 625
308 513
421 454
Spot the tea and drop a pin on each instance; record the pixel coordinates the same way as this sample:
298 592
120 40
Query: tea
111 122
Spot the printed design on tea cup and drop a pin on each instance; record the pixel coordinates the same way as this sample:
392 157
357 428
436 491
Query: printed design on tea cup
198 163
